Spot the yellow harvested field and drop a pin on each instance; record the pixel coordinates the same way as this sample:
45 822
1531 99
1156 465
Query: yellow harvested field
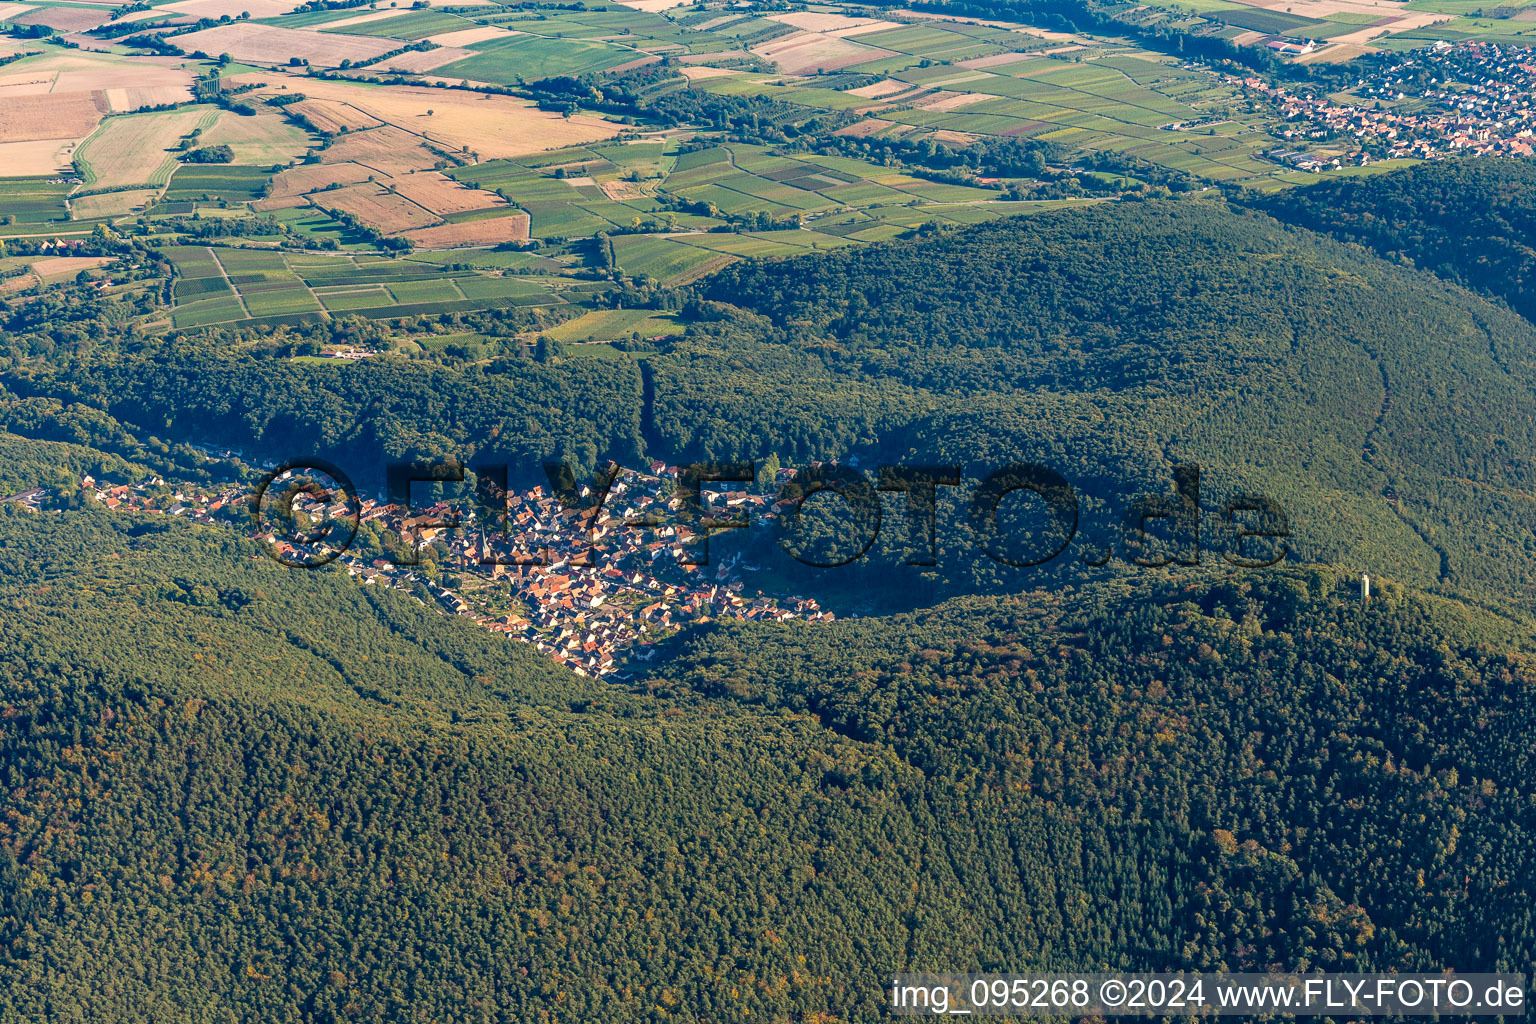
714 23
442 195
233 8
969 76
465 36
262 139
122 74
1354 44
619 191
56 268
887 87
631 65
706 58
386 151
863 129
10 12
416 61
954 138
994 61
51 116
494 231
1335 53
492 126
125 84
65 19
38 157
699 72
873 26
129 19
886 102
331 117
1029 30
27 84
804 53
60 268
944 101
833 24
271 203
112 204
377 207
308 177
138 149
124 100
268 44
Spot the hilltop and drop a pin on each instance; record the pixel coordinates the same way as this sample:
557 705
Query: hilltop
1388 411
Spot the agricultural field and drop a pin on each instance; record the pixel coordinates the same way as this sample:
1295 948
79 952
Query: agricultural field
139 149
270 44
473 123
379 155
504 60
266 138
31 203
1349 28
617 324
51 100
18 273
570 193
225 183
1118 99
223 285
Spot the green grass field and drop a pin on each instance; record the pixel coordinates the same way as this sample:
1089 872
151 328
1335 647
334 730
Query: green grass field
217 181
529 57
217 285
615 324
32 201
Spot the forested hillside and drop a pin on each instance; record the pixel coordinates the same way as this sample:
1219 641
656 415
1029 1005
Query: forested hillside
515 411
235 792
1390 413
1470 221
1320 781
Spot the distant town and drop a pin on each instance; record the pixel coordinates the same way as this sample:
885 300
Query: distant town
1467 98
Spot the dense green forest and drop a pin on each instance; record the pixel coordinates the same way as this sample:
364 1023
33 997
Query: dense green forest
1469 221
236 792
510 410
1389 413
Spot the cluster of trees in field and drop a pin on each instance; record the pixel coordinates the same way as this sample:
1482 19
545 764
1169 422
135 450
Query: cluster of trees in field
236 791
209 155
